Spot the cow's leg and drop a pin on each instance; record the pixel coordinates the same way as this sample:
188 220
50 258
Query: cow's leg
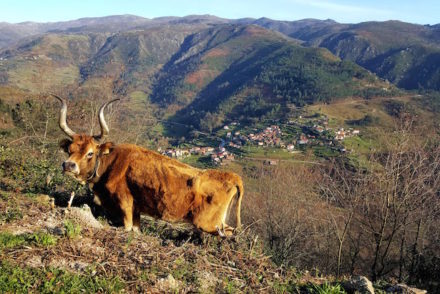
127 210
128 220
136 220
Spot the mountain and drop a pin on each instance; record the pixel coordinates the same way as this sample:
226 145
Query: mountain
200 74
11 33
407 55
247 72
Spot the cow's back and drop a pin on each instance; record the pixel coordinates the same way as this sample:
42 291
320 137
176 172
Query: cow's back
160 185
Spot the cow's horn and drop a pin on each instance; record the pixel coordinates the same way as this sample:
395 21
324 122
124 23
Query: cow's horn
63 117
102 123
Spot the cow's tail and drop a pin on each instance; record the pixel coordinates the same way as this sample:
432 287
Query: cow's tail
239 196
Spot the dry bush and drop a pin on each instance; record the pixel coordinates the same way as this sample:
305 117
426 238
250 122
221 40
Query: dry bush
283 210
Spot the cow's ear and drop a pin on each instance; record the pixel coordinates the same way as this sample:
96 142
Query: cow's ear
106 148
64 145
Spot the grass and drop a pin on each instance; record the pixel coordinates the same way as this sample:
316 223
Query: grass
266 152
40 239
198 161
37 76
15 279
352 109
359 144
11 214
325 151
73 230
325 288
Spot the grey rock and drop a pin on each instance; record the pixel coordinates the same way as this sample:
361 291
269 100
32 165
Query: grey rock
404 289
358 284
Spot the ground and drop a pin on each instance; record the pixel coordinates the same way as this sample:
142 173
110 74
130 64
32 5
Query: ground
46 248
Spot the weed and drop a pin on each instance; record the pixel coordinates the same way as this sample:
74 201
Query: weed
325 288
73 230
230 287
282 288
10 215
42 239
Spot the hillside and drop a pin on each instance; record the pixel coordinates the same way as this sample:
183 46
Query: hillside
248 72
405 54
229 71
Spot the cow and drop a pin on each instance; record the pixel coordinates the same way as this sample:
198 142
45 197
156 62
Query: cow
128 180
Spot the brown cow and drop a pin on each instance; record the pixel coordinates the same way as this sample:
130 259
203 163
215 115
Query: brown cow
129 180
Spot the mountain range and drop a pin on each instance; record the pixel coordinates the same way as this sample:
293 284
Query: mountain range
203 70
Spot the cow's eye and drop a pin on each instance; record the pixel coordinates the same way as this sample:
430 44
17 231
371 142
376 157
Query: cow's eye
90 154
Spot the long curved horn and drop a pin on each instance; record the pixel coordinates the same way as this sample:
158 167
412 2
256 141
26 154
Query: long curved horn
63 117
102 123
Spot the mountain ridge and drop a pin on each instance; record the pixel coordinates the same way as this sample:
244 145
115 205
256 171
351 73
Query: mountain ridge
381 47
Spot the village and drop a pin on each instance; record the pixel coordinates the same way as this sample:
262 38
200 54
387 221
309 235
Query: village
311 131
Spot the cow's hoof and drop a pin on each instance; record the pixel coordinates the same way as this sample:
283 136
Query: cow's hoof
221 233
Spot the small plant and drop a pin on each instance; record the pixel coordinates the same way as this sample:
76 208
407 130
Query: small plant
325 288
8 240
10 215
41 239
73 230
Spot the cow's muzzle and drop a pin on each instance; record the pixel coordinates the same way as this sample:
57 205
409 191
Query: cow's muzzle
70 167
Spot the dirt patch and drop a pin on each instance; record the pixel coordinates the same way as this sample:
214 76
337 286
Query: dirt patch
216 52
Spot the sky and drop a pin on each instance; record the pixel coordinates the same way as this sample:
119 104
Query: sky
344 11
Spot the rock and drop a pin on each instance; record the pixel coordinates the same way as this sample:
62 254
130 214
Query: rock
358 284
34 261
169 284
207 281
404 289
84 217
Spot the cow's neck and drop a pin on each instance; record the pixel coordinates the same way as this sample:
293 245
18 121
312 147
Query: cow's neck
95 175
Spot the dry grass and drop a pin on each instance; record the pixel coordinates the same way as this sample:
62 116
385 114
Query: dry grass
183 262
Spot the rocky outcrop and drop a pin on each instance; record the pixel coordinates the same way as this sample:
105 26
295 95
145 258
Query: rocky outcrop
358 284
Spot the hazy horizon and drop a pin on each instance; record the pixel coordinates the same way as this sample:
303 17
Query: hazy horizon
341 11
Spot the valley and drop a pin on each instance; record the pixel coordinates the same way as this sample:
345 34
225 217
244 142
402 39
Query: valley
333 127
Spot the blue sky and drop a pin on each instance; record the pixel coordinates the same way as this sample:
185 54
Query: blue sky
421 12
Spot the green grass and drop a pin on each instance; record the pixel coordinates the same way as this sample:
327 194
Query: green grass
40 239
73 230
15 279
359 144
198 161
325 288
325 151
267 152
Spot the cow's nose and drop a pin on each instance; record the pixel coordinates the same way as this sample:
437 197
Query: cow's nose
69 166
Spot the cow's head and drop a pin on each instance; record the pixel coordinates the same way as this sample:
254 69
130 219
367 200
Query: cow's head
83 150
